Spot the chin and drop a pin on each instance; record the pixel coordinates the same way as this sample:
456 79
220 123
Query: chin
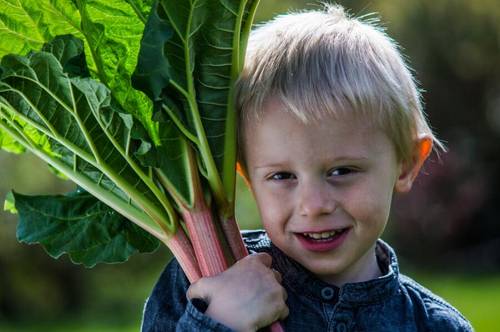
323 268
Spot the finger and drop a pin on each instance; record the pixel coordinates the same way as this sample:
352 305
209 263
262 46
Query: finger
284 313
278 276
285 295
264 258
196 290
192 292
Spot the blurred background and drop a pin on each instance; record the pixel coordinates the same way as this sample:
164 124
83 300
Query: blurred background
446 230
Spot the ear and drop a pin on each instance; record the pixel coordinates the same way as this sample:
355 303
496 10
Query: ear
411 168
241 170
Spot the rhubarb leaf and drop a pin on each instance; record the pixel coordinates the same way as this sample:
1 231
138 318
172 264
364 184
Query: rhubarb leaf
90 137
111 31
72 104
9 144
174 163
26 25
81 226
68 50
10 203
152 74
219 60
190 57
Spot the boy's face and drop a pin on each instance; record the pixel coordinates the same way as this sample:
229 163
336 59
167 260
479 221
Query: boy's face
324 190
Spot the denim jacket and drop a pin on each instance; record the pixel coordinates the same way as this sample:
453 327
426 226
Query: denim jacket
392 302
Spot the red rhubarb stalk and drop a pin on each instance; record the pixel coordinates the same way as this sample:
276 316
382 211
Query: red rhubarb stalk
234 239
180 245
206 243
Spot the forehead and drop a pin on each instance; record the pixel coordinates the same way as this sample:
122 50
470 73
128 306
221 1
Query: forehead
280 106
279 133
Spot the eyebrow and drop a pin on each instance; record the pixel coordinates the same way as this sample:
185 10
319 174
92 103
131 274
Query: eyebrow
269 166
335 160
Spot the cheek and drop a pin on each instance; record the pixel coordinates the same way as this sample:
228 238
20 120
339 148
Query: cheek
365 204
273 209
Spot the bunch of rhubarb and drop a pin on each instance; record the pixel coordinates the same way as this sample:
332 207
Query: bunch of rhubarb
133 102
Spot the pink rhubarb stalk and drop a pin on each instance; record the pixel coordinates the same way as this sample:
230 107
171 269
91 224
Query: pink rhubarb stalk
180 245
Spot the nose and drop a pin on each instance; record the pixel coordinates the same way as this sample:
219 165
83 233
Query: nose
316 199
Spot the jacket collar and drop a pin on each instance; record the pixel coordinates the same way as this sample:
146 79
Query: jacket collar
303 282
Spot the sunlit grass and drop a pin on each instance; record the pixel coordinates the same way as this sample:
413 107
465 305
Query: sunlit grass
476 297
65 327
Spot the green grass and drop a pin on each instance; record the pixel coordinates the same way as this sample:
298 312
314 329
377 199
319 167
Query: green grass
64 327
478 298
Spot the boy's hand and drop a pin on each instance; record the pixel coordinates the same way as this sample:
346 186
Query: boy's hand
246 297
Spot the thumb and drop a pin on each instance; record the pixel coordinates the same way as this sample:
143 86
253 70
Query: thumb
198 290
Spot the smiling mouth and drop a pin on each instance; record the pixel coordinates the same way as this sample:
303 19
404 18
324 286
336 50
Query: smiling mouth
323 241
324 236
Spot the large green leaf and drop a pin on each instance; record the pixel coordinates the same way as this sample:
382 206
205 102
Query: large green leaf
9 144
111 30
174 162
90 137
152 75
190 57
80 225
9 204
219 60
27 25
77 111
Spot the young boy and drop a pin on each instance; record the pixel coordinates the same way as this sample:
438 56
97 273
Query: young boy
331 126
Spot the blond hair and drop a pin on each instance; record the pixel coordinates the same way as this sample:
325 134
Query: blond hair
326 62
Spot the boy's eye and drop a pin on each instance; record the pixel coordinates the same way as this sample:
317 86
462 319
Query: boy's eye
280 176
340 171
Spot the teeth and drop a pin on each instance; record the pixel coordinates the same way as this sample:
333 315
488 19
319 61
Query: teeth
319 236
